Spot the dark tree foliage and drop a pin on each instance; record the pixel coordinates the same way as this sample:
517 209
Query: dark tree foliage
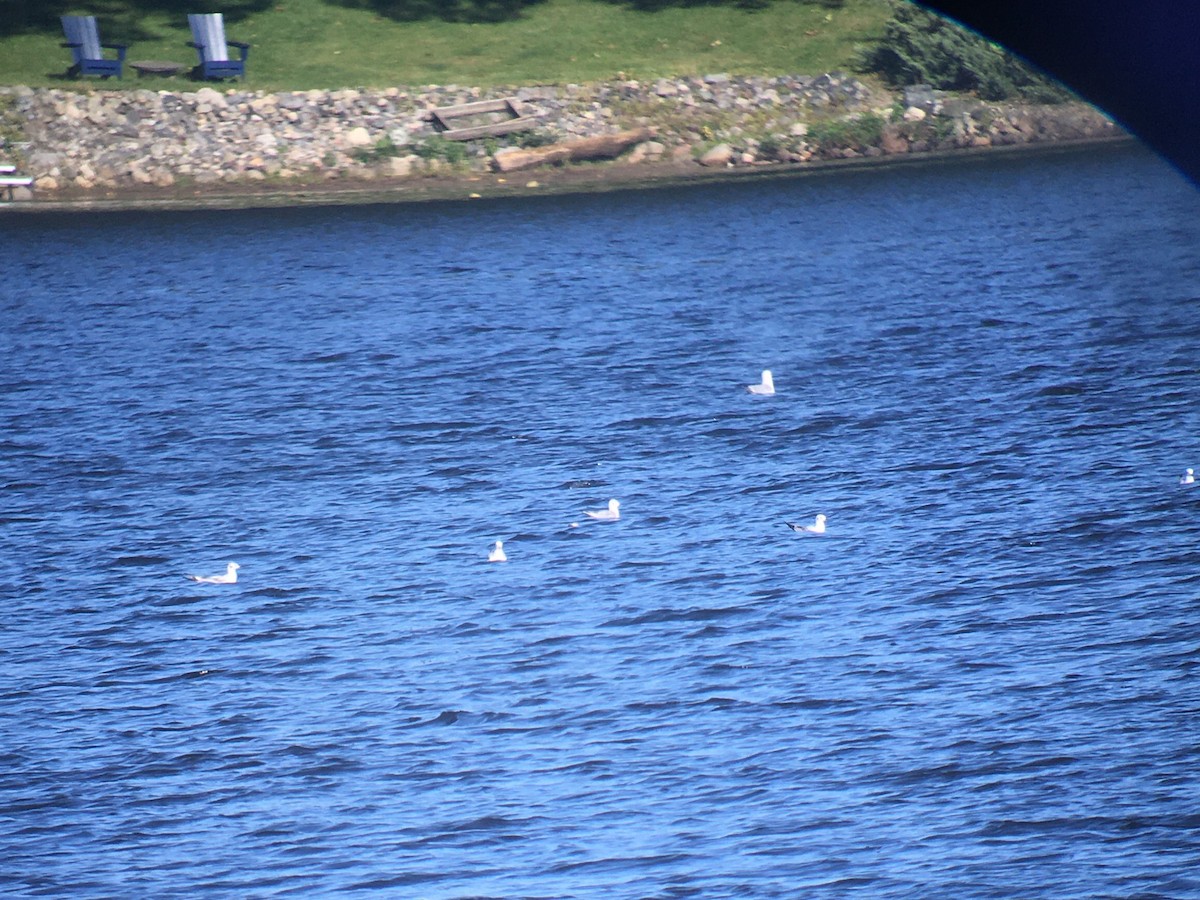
120 20
504 10
446 10
920 47
656 5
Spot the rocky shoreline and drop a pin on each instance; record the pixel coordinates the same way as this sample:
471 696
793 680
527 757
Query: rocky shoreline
140 145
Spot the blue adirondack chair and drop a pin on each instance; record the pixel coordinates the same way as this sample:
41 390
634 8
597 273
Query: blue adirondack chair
83 37
208 37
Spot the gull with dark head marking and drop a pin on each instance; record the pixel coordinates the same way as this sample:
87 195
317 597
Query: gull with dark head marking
229 576
766 386
606 515
497 553
817 527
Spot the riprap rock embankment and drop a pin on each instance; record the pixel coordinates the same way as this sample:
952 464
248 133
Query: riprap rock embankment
97 141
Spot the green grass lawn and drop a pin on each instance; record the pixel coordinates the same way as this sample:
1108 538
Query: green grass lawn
303 44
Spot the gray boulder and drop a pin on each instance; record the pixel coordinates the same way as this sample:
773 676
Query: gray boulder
921 96
718 156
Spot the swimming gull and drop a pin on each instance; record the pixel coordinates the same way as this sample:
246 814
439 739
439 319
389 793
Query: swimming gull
229 576
1187 478
608 515
767 386
817 527
497 553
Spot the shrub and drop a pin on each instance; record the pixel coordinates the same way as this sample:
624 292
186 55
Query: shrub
438 147
771 147
537 138
11 126
847 134
383 148
920 47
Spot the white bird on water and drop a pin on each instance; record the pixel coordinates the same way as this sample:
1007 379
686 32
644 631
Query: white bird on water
766 386
229 576
608 515
817 527
497 553
1188 477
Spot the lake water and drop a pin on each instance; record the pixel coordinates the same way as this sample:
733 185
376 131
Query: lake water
981 681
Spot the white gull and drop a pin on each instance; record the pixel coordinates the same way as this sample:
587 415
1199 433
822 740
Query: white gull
608 515
497 553
229 576
1188 477
767 386
817 527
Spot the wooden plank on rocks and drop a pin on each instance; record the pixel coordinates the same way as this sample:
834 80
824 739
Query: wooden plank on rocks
505 104
495 128
444 117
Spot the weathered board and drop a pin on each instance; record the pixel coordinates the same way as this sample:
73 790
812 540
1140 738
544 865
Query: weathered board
444 118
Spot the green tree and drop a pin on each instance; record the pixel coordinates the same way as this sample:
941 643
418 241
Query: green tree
920 47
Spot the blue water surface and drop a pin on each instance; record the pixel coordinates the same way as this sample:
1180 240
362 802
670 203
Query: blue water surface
980 682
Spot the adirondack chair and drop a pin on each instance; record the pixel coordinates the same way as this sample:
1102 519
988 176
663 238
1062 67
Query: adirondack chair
208 37
83 37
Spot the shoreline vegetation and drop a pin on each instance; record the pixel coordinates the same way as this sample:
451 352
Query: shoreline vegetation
88 145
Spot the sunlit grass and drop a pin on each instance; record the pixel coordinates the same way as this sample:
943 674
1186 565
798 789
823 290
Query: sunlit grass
302 44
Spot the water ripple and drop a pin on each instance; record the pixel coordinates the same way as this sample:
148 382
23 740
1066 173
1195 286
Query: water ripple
976 684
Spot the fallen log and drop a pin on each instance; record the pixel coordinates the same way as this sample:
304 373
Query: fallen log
604 146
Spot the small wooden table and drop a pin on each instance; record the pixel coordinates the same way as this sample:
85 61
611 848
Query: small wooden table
156 67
